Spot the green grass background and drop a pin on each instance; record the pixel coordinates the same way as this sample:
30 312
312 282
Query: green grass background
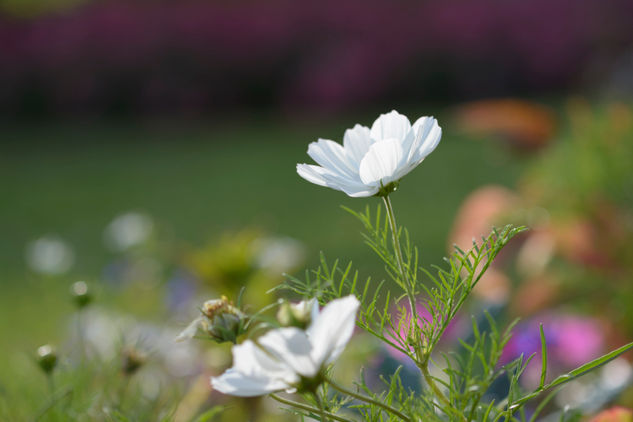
198 180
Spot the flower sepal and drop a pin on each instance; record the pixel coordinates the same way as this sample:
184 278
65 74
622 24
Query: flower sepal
385 190
310 384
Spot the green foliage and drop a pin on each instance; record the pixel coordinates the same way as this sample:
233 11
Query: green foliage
460 392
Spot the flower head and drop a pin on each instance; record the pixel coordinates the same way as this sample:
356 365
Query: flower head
372 161
297 314
290 358
80 294
220 319
47 358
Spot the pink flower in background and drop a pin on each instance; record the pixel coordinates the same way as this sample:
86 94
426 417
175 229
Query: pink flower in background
614 414
571 341
452 331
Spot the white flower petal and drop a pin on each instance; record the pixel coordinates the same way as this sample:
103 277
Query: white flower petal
254 373
314 314
381 162
371 157
332 329
331 156
429 133
313 174
237 384
353 189
390 125
190 331
323 177
357 142
250 360
291 346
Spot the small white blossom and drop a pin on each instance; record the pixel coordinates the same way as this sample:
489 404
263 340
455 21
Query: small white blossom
277 255
284 358
298 314
371 159
50 255
128 230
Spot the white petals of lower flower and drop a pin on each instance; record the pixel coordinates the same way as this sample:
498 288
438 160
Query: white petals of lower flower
280 358
371 158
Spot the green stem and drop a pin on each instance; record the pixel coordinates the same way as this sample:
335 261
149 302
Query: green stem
422 362
52 402
123 391
80 337
404 274
51 383
320 406
366 399
438 393
308 408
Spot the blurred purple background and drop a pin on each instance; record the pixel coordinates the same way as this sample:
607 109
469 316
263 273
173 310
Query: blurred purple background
190 57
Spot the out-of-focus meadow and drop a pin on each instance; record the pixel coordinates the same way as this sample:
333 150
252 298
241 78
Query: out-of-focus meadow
149 149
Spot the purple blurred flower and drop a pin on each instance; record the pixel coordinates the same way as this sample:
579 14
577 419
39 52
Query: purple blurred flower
181 290
571 341
194 55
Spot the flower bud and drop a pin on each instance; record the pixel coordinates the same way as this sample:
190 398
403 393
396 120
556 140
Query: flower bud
222 321
133 359
296 314
80 294
46 358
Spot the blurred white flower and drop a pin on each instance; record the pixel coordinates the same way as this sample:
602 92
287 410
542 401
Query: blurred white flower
49 255
104 334
285 357
278 254
371 159
128 230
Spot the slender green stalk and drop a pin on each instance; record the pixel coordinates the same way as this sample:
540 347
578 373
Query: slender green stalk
80 337
52 402
438 393
366 399
308 408
320 406
51 383
404 274
421 362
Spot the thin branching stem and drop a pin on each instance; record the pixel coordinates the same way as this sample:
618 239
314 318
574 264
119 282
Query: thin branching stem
319 403
404 274
367 399
308 408
421 362
52 402
438 393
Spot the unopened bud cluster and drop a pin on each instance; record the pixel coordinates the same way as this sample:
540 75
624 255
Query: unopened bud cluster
222 320
46 358
296 314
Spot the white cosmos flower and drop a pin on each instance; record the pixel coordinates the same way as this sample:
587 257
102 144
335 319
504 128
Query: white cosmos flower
372 158
283 357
